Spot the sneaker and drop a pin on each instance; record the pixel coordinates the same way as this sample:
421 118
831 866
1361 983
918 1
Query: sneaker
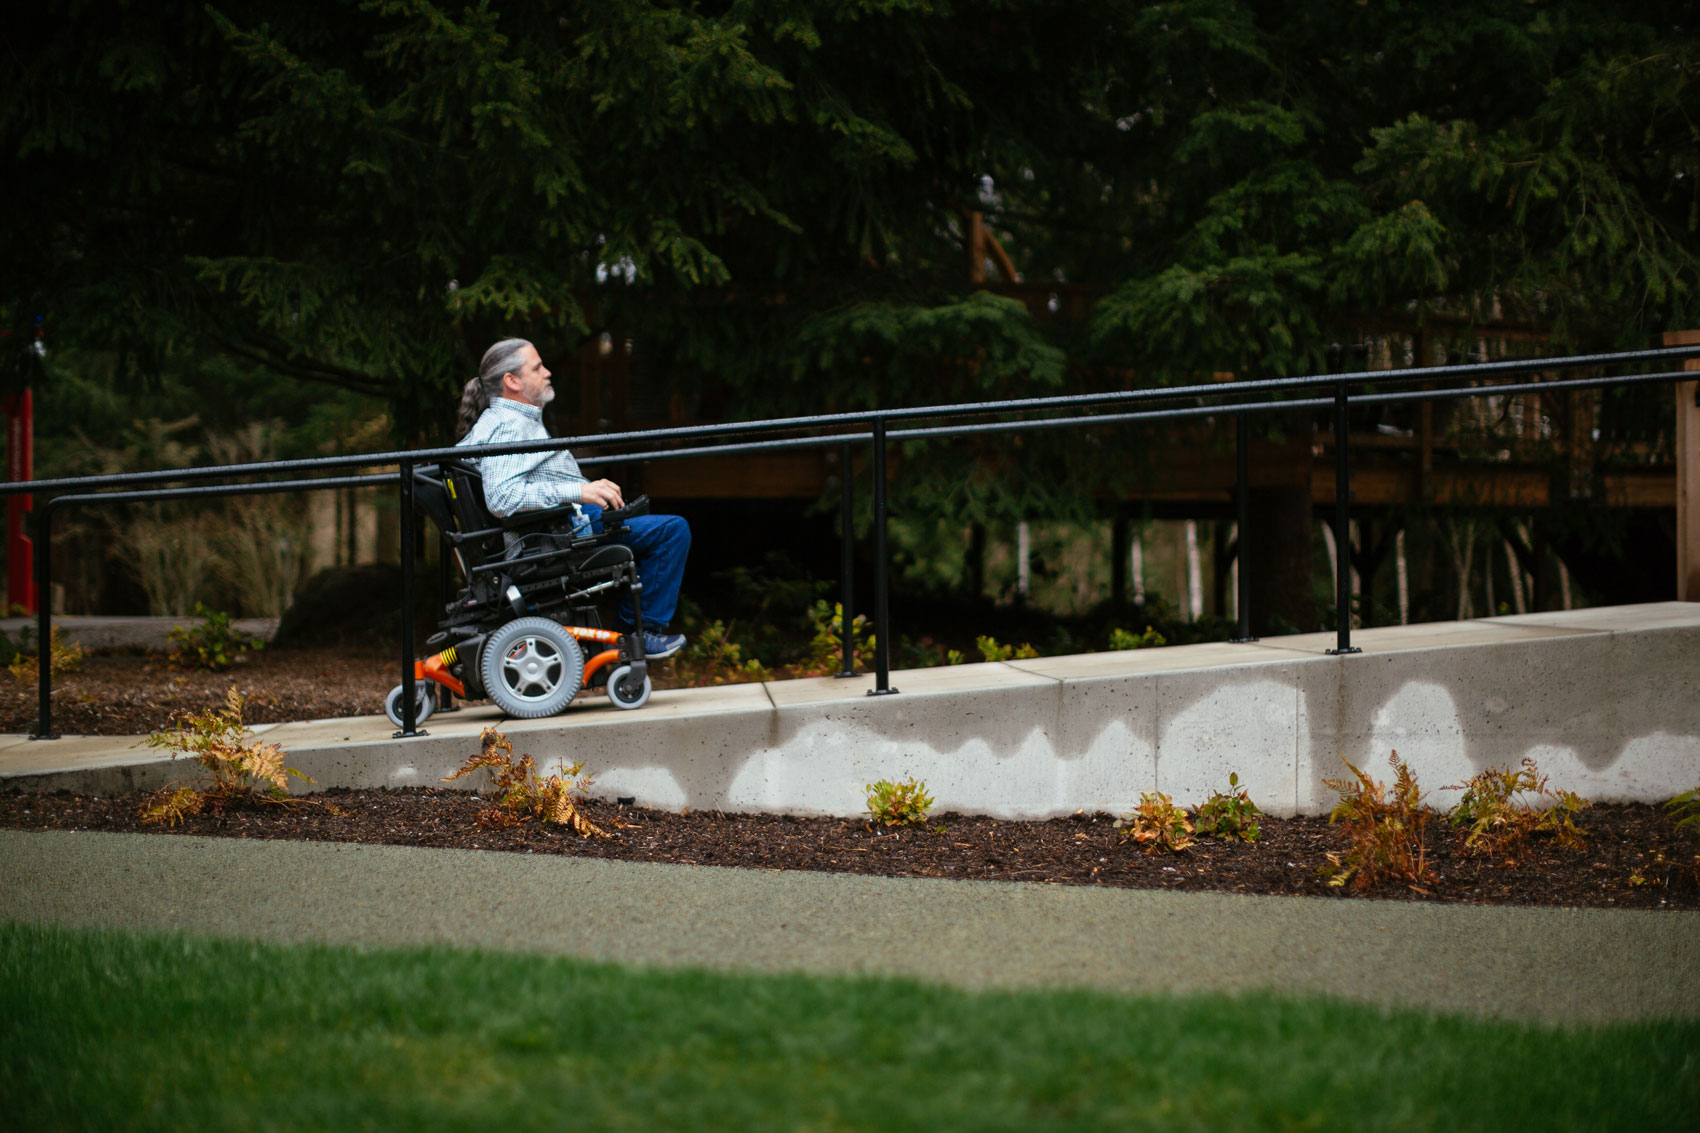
660 646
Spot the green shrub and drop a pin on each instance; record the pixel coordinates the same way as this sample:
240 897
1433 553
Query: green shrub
713 658
991 650
898 804
213 644
1686 807
826 648
1232 816
920 652
1123 639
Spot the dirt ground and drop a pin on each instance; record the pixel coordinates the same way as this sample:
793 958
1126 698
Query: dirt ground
127 694
1635 857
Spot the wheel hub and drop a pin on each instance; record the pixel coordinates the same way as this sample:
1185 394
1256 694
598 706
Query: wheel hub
532 669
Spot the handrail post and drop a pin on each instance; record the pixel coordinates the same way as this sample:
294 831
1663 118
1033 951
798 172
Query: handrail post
882 621
1242 495
409 686
847 565
44 621
1342 529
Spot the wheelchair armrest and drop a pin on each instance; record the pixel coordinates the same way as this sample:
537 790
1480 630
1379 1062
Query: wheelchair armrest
542 517
460 537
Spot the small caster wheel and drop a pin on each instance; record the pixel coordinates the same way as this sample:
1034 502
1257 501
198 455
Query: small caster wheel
626 691
424 703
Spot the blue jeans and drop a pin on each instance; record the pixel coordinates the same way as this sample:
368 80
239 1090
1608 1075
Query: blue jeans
659 543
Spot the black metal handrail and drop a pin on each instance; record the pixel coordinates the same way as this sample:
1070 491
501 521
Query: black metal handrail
960 409
871 427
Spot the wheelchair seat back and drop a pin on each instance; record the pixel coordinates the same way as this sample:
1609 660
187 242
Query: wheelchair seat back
430 496
481 538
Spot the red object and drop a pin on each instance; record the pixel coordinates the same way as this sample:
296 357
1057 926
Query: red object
20 465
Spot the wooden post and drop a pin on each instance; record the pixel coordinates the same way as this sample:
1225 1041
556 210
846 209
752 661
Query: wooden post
1687 474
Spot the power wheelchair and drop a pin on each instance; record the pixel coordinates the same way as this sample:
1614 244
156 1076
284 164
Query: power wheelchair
520 627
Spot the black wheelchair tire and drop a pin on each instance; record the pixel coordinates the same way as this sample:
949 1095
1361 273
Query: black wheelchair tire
531 667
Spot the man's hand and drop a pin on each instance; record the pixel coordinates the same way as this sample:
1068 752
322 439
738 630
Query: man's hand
605 494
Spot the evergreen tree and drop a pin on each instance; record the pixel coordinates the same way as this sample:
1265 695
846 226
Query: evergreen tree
770 195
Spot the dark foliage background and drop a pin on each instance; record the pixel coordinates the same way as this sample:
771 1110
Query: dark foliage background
275 209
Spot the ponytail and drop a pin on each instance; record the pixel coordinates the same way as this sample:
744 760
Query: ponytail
473 402
475 398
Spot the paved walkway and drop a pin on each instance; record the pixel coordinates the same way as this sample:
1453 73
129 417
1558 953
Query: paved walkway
1557 965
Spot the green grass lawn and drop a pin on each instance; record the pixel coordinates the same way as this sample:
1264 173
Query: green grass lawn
105 1029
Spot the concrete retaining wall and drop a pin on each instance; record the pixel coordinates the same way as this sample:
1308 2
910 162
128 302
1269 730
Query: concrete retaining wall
1606 701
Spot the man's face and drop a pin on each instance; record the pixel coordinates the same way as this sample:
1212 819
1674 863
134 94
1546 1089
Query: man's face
533 378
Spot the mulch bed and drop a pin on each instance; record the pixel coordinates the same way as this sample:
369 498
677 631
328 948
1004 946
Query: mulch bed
131 694
1623 842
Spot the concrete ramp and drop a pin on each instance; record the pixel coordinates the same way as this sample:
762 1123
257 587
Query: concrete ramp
1606 700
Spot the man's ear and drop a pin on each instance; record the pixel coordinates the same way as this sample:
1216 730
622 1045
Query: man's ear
512 383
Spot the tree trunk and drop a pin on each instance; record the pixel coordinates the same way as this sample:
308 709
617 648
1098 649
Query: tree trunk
974 563
1278 560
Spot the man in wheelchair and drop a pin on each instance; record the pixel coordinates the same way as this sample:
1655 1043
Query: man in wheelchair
505 403
539 546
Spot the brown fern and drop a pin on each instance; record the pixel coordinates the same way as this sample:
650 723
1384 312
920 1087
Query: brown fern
1499 824
521 796
1384 835
241 767
63 657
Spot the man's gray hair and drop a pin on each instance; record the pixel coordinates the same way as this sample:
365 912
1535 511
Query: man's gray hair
502 358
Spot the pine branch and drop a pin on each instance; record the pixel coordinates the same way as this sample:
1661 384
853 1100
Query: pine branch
324 373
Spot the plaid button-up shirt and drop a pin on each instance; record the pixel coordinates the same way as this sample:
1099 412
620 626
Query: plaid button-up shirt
523 481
